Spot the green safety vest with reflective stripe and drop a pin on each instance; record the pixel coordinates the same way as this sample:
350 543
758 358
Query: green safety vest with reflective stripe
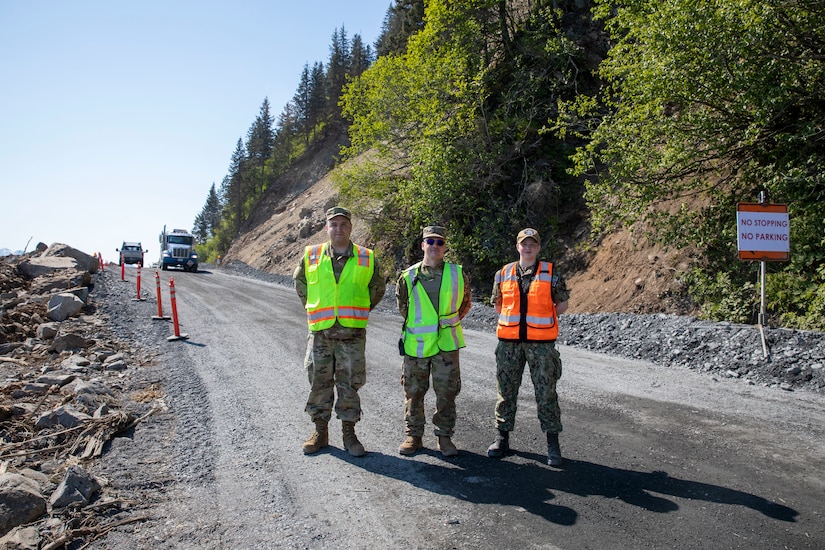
348 299
426 332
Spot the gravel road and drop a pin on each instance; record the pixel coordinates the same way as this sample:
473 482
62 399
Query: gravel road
724 451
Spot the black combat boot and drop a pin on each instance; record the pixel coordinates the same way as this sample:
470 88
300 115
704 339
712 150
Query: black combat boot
553 449
500 446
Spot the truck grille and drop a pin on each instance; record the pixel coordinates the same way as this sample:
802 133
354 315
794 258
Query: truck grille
180 252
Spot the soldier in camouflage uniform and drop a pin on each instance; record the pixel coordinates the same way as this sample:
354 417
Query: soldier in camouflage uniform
433 297
529 296
339 283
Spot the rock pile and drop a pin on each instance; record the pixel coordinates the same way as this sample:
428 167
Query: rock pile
60 398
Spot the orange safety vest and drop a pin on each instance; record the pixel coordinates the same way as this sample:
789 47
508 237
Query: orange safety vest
348 299
537 323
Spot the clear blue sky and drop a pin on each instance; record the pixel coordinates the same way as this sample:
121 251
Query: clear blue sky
117 117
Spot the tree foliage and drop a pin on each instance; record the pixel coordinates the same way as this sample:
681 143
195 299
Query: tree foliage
706 104
454 126
403 19
209 218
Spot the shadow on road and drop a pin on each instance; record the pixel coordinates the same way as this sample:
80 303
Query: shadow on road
478 479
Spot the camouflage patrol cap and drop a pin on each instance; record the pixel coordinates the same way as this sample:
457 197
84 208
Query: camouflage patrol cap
338 211
528 233
435 231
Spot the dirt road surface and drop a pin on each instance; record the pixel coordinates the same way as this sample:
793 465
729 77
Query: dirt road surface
655 457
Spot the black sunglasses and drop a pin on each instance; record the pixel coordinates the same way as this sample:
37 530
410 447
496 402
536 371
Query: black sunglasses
439 242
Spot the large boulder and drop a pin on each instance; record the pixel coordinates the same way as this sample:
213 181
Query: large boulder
84 261
58 258
64 305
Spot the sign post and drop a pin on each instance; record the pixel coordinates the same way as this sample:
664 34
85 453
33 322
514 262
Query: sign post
763 234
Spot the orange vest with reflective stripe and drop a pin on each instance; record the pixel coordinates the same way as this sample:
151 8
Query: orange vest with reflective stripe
537 323
348 299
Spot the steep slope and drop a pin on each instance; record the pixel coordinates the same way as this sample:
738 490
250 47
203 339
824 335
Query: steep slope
620 275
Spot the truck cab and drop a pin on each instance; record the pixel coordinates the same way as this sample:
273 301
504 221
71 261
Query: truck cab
177 249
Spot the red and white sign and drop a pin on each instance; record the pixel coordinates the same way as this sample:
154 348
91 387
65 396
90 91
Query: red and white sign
763 231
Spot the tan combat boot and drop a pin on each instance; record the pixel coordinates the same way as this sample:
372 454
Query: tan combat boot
445 445
319 438
351 443
410 445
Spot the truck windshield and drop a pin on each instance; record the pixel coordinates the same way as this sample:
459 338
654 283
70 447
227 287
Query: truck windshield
179 239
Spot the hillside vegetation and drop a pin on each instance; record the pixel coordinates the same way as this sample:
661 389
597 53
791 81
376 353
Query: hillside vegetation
626 133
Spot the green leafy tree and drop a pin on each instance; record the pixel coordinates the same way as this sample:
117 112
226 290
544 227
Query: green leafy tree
705 105
456 129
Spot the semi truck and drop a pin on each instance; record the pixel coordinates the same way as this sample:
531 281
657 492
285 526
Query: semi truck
177 249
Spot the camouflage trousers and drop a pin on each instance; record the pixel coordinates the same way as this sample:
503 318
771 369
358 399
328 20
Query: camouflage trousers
415 378
335 366
545 370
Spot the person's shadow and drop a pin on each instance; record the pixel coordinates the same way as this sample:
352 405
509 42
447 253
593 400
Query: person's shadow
481 480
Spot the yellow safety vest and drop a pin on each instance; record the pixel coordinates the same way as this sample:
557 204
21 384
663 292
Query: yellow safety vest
348 299
426 332
540 314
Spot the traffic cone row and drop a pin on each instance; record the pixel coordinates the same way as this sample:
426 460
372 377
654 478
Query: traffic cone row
177 335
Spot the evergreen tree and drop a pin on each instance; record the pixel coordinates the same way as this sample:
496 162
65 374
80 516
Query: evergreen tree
302 103
402 20
285 136
260 139
233 189
318 94
199 229
260 136
212 211
209 218
337 69
360 56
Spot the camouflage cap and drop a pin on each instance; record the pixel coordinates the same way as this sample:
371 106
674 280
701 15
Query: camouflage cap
528 233
338 211
435 231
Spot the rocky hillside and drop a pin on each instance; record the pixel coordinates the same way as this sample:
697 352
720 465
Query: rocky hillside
621 275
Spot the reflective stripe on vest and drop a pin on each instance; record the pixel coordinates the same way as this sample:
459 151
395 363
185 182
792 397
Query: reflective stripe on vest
347 300
540 317
427 332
